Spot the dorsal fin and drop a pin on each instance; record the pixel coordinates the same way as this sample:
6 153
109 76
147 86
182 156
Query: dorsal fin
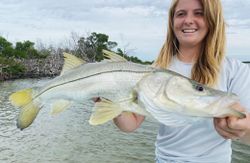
113 57
70 62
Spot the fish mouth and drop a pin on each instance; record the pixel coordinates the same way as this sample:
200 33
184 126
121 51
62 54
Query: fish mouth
223 103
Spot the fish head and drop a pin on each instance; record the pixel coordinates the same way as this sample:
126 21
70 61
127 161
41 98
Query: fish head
199 99
177 93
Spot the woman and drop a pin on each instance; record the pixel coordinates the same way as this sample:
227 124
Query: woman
194 47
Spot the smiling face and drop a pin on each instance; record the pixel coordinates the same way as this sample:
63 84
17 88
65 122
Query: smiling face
189 24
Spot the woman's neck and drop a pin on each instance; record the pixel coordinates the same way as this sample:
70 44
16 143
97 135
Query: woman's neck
188 55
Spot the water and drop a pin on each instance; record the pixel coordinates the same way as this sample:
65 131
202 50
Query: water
68 138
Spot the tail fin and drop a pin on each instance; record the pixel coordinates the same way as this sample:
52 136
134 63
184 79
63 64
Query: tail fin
29 107
21 98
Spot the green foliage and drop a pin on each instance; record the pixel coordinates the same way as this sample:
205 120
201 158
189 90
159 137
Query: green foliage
6 49
9 66
23 49
94 44
121 53
148 62
89 48
26 49
92 47
8 52
4 42
132 58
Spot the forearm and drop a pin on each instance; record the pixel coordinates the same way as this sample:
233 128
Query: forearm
128 122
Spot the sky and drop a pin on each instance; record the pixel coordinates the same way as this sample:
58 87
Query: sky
138 26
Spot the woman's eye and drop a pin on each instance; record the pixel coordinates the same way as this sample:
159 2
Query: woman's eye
179 14
199 13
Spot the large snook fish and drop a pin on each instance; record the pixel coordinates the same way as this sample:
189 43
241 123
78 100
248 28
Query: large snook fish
169 97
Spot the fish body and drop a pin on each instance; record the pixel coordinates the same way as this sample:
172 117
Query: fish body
81 82
114 81
124 86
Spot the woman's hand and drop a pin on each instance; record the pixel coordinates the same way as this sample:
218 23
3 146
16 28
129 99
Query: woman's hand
232 127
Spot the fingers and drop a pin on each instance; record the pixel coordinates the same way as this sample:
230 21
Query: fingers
227 129
235 123
233 127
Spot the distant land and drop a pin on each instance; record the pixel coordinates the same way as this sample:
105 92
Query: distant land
243 58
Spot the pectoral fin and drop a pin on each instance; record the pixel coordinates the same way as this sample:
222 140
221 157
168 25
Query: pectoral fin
105 110
59 106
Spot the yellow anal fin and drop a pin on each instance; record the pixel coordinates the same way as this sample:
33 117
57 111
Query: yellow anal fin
59 106
21 98
71 62
27 115
105 111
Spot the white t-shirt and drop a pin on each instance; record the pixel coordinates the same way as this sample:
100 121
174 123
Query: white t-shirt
199 142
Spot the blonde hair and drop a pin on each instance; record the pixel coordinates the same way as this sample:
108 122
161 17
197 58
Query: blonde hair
206 69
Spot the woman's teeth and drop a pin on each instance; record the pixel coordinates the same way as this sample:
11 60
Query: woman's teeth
189 30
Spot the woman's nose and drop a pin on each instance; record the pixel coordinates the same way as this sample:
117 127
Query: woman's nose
189 19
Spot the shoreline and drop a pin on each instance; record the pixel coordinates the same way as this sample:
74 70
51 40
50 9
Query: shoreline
30 76
35 68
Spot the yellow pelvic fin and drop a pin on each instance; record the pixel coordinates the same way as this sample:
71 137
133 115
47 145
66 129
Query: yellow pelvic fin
113 57
27 115
71 62
59 106
105 110
21 97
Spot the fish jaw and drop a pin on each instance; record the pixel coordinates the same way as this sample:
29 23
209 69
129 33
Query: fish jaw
223 107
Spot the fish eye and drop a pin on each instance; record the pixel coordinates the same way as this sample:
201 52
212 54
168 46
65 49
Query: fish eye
199 88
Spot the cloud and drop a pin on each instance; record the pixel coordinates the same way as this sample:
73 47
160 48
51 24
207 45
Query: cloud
237 15
139 23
